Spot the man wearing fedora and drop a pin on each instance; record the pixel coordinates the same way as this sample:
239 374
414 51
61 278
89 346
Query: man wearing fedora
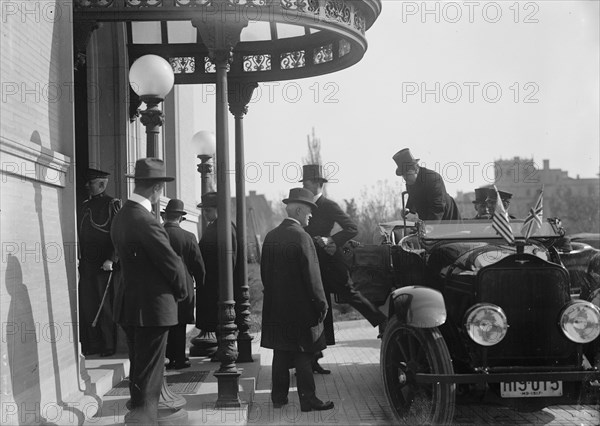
185 245
427 196
207 297
154 281
96 260
334 270
294 304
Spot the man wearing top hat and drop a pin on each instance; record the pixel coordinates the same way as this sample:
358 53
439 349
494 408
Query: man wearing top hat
334 270
294 303
207 297
480 204
185 245
154 280
427 196
96 260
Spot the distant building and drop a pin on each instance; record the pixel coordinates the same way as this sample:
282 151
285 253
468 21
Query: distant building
524 179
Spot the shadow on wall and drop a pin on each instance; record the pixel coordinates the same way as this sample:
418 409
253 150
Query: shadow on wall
21 341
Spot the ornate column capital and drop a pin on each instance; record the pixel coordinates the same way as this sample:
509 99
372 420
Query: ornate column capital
220 34
239 95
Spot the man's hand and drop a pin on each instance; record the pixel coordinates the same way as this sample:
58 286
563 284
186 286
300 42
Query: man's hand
107 265
323 315
330 246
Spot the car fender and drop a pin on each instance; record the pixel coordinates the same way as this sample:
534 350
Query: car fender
420 307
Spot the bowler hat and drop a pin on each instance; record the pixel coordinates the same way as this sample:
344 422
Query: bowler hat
300 195
208 200
404 160
174 206
313 172
480 195
90 174
151 169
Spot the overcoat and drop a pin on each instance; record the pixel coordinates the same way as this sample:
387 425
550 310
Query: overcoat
153 274
207 297
294 299
185 245
428 197
334 271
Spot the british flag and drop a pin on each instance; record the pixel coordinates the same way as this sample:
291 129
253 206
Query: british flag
533 221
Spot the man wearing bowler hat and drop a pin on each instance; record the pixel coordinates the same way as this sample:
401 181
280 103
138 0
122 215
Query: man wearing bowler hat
96 260
154 280
207 297
427 196
334 270
185 245
294 304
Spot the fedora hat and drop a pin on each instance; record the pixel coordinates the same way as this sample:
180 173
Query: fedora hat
174 206
91 174
313 172
300 195
208 200
151 169
404 159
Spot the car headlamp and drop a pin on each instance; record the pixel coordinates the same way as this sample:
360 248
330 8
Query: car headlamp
486 324
580 321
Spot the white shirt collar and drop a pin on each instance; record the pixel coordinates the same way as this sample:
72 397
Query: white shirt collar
137 198
294 220
319 195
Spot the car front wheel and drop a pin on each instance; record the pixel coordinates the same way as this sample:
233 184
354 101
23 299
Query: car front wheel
405 351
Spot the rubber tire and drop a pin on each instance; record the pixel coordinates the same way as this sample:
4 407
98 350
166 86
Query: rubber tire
436 404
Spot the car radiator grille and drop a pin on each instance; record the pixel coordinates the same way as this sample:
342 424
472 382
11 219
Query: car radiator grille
532 298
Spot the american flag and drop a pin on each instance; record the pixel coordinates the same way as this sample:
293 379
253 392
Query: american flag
500 221
533 221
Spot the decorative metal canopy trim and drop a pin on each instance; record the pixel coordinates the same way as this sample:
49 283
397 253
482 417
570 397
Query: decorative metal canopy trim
333 35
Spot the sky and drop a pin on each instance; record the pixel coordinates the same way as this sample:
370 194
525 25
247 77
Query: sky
478 82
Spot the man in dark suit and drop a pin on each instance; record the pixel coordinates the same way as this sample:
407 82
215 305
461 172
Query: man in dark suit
153 281
185 245
480 204
96 260
207 297
294 304
427 196
334 270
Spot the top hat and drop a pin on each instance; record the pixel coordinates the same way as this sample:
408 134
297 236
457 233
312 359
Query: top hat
151 169
313 172
90 174
480 195
404 159
174 206
300 195
208 200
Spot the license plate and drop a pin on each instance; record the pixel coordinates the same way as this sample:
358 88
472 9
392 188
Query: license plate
530 389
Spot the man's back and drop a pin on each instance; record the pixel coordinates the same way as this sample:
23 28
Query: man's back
152 271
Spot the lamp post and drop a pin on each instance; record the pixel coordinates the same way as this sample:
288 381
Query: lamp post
205 144
151 78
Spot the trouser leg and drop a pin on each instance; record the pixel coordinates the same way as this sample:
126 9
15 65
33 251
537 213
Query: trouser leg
105 325
304 376
176 343
147 353
280 375
88 306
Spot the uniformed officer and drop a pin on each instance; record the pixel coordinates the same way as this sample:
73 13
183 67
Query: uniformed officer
96 260
492 199
480 204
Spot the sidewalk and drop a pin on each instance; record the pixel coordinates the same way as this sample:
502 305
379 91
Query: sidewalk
354 386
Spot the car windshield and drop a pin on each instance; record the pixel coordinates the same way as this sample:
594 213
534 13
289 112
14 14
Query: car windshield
482 229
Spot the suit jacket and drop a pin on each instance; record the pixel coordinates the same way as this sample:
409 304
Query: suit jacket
153 274
325 216
207 297
185 245
95 219
294 299
428 197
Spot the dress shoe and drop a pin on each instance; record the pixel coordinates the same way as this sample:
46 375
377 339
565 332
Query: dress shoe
279 404
179 365
316 368
315 405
